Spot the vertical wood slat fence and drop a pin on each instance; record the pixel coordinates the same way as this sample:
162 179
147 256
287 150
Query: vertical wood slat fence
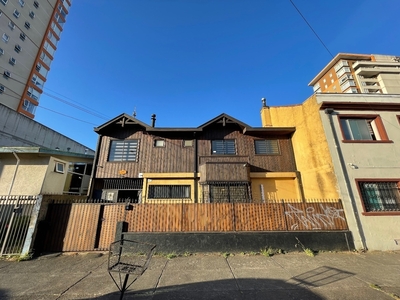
92 226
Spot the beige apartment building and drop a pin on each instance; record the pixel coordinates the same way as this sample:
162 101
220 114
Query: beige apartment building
359 73
29 31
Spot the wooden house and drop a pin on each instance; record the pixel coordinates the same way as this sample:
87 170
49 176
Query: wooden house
222 160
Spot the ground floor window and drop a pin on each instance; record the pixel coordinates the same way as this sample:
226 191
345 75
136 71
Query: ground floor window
226 192
380 195
169 191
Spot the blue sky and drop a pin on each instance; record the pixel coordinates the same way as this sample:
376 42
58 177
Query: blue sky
188 61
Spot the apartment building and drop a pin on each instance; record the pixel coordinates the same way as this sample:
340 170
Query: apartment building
30 31
359 73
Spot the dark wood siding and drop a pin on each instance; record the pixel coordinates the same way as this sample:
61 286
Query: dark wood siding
284 162
169 159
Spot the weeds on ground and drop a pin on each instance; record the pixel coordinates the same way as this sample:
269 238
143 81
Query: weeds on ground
268 251
226 254
307 251
187 254
171 255
378 288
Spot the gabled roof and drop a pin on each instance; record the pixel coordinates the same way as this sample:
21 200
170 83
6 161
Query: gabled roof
224 119
122 120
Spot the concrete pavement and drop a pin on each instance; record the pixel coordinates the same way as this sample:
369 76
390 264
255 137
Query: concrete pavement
371 275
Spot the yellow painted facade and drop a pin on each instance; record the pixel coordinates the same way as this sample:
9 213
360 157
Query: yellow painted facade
310 146
273 186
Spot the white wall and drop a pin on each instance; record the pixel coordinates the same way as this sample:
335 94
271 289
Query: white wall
370 161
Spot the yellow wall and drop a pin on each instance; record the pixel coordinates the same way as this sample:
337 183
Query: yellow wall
168 179
276 186
310 146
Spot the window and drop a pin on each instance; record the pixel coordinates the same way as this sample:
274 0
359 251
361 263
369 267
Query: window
223 147
380 196
34 94
36 4
363 128
12 61
47 60
159 143
29 106
226 192
123 150
22 36
27 25
49 48
52 38
22 3
59 167
32 14
2 89
11 25
169 191
7 74
17 48
37 81
16 13
4 1
1 51
266 146
187 143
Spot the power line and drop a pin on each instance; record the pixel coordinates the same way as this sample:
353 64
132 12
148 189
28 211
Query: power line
305 20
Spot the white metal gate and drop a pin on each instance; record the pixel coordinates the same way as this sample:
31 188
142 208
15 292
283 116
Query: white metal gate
16 220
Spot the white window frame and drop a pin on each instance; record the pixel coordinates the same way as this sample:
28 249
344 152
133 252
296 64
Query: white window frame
4 1
59 167
11 25
22 3
12 61
159 143
16 13
2 89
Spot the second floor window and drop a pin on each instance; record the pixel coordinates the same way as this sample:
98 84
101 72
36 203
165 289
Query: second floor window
125 150
223 147
368 128
266 146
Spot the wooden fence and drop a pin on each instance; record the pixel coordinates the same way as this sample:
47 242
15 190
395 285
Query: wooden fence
92 226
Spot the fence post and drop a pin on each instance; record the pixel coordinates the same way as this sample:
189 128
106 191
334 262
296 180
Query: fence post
30 235
284 214
121 228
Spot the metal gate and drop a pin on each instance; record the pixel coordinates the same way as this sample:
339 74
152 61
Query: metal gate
16 213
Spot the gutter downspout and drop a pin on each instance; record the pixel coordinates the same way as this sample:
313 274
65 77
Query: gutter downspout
16 204
94 169
195 170
329 112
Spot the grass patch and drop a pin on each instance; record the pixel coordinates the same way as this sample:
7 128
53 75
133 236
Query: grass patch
226 254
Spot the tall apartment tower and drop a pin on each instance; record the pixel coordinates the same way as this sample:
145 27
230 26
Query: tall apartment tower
359 73
30 31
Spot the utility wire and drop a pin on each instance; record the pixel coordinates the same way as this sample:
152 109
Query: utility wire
305 20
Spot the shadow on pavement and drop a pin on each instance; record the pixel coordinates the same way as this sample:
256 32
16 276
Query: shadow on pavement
322 276
247 288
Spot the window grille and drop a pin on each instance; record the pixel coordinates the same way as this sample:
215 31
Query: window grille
169 191
125 150
380 196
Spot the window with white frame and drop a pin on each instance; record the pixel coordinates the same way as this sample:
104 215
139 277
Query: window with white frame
4 1
223 147
123 150
362 128
2 89
29 106
59 167
22 3
47 60
37 81
11 25
269 147
34 94
159 143
169 191
27 25
12 61
380 196
16 13
22 36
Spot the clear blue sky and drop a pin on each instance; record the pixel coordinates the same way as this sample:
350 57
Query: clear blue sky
188 61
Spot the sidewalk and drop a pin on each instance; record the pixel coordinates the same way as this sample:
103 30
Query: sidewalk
373 275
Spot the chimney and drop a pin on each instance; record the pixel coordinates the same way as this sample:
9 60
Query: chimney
265 114
153 120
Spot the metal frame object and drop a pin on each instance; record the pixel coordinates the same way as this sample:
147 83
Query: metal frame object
127 257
